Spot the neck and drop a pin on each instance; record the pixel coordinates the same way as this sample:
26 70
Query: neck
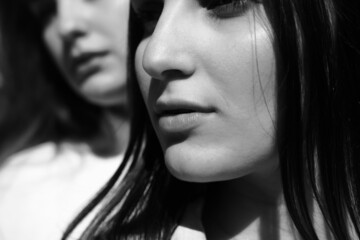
121 126
253 208
250 207
116 135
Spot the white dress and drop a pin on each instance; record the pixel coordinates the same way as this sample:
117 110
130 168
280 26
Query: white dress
42 189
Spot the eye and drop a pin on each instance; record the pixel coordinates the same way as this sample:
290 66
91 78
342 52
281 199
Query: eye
226 8
43 10
149 13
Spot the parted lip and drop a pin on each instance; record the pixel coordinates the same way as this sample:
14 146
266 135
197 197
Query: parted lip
83 66
180 106
84 58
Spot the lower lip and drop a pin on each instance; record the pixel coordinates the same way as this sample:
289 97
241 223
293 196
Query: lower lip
180 123
87 69
90 63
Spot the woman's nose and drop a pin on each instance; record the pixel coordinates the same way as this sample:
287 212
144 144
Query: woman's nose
168 50
71 19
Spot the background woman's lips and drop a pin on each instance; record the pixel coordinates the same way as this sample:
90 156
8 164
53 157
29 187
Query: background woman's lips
87 64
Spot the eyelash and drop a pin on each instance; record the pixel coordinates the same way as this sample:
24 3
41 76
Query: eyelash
226 8
219 9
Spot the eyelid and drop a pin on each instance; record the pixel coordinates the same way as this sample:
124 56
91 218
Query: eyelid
211 4
227 8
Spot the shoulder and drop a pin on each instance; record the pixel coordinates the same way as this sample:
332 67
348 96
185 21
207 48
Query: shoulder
183 232
37 154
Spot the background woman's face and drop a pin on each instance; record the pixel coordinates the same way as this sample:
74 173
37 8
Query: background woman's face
88 40
206 70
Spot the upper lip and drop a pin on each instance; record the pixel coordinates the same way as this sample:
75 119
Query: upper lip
178 106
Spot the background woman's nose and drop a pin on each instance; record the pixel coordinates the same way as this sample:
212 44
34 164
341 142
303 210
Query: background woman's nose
70 19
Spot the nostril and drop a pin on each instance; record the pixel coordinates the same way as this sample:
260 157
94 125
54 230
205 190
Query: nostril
174 74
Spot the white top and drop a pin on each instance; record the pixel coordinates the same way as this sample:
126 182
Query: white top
42 189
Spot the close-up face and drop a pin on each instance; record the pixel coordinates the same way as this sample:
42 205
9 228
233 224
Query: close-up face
206 70
88 41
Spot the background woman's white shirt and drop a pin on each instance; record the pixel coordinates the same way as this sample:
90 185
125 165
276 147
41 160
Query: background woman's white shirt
45 186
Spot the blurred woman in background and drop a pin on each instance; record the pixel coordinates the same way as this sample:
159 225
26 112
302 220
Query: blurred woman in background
67 124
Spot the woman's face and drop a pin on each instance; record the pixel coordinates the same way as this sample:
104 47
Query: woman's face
206 70
88 40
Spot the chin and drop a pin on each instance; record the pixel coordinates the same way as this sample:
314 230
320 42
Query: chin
212 162
200 166
104 83
105 100
103 95
199 175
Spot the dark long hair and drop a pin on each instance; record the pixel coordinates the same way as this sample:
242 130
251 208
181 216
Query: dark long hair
319 117
318 94
2 106
40 104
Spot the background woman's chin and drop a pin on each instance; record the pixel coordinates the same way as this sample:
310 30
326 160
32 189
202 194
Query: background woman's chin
104 90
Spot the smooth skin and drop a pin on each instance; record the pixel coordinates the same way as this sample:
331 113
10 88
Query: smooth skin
88 41
207 76
44 187
225 65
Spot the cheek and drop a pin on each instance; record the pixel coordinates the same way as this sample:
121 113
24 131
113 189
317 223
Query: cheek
124 15
241 139
114 25
142 77
245 73
53 43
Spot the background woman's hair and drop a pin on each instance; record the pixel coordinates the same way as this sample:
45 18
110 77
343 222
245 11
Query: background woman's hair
41 106
318 59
